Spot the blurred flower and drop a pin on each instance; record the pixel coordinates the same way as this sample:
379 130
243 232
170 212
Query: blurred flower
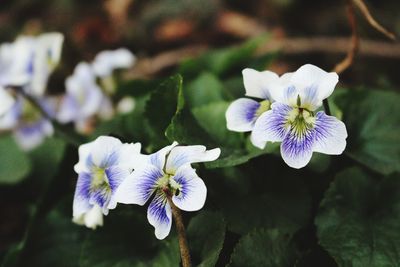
292 119
126 105
107 61
6 101
103 165
29 61
84 98
28 124
168 172
242 114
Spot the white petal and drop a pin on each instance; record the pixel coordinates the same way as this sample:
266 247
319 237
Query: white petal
106 61
182 155
158 159
31 136
139 186
330 135
130 156
271 126
105 151
51 43
241 115
84 152
193 191
91 219
258 84
314 85
160 216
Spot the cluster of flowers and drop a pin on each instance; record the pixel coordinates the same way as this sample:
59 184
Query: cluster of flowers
111 172
25 68
288 113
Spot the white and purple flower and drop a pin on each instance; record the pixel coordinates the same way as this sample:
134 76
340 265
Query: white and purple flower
29 61
84 98
27 123
243 113
168 173
295 121
103 165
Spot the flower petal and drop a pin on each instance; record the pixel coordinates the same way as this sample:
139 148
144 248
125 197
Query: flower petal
330 135
106 61
32 135
241 115
158 159
258 84
105 151
130 157
314 85
160 216
85 161
115 175
271 126
296 148
139 186
193 192
182 155
82 194
91 219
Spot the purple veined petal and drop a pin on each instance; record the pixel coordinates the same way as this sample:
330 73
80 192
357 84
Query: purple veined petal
158 159
85 162
271 126
138 187
258 84
181 155
330 135
101 196
160 216
192 193
82 195
115 175
105 151
314 85
242 114
296 147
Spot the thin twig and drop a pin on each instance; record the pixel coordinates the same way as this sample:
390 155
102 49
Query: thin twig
368 16
180 228
354 43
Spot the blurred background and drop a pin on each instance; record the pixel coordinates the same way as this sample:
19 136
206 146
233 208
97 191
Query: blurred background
164 32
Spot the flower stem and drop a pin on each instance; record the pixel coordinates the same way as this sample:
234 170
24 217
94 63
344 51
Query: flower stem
180 228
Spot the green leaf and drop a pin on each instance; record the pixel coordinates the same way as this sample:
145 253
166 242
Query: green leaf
372 119
269 248
137 88
162 106
14 164
358 220
127 239
205 89
206 234
278 200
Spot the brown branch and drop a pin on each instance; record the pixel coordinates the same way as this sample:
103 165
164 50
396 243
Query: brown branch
354 43
367 15
180 228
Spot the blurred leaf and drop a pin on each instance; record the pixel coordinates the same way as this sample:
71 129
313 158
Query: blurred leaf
14 164
46 159
205 89
206 234
373 122
127 239
358 220
270 248
137 87
221 61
